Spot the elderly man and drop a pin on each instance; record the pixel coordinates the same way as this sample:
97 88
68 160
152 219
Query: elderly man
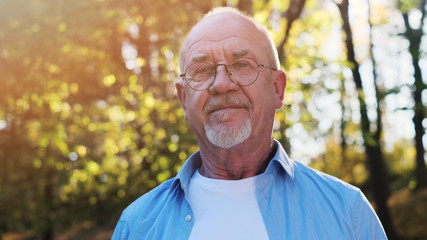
241 184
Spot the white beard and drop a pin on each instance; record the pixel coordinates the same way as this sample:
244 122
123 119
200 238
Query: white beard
227 137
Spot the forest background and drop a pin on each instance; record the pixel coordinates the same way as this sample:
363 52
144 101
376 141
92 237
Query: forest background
89 118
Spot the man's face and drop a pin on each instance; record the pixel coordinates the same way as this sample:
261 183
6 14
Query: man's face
227 114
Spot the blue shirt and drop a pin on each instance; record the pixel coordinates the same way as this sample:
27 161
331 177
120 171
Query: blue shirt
299 203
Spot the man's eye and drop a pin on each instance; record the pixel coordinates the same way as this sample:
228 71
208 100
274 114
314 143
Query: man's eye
204 69
240 64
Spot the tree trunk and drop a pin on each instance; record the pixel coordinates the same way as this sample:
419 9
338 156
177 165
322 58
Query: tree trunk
291 14
378 94
375 159
48 196
246 6
143 46
343 125
414 37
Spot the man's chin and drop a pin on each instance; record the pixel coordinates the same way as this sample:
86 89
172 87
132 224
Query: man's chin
224 136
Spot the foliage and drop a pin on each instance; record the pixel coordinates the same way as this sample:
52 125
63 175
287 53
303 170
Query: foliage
81 128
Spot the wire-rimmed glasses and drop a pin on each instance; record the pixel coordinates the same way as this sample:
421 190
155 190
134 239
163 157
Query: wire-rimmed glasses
242 71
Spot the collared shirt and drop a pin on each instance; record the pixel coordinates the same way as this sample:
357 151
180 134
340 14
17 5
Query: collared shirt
299 203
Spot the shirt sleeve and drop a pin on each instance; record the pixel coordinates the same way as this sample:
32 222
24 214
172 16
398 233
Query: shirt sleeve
365 221
121 231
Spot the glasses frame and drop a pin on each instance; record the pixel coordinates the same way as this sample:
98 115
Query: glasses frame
226 66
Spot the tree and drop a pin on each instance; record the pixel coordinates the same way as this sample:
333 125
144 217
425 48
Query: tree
291 14
372 143
246 6
414 35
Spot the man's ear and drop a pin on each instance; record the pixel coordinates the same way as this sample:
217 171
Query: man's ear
279 87
180 90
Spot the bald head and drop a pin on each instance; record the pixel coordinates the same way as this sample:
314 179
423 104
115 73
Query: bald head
221 23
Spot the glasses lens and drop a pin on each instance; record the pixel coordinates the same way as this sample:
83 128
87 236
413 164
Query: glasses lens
243 71
199 75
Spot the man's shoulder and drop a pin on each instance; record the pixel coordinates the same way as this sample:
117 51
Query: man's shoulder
149 202
324 182
143 212
334 198
337 207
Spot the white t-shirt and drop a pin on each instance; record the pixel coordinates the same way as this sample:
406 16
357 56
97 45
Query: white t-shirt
226 209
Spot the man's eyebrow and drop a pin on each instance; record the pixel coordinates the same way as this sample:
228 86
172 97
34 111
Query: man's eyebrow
240 53
201 57
198 58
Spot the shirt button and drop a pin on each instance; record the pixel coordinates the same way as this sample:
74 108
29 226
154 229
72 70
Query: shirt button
188 218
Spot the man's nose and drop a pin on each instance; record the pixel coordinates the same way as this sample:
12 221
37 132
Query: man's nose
222 82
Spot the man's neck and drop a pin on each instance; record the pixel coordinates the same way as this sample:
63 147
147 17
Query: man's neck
238 162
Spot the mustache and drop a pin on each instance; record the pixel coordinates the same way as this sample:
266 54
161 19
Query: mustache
224 101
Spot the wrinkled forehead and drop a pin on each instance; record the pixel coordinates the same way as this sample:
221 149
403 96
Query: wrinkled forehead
231 32
228 48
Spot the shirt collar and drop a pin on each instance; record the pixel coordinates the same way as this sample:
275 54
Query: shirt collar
194 162
284 161
182 179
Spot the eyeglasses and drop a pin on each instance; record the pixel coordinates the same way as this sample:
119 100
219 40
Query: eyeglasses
242 71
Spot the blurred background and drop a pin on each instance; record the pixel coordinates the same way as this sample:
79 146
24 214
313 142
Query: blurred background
89 119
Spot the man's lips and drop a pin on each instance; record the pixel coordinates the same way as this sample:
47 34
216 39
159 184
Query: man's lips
227 103
225 108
